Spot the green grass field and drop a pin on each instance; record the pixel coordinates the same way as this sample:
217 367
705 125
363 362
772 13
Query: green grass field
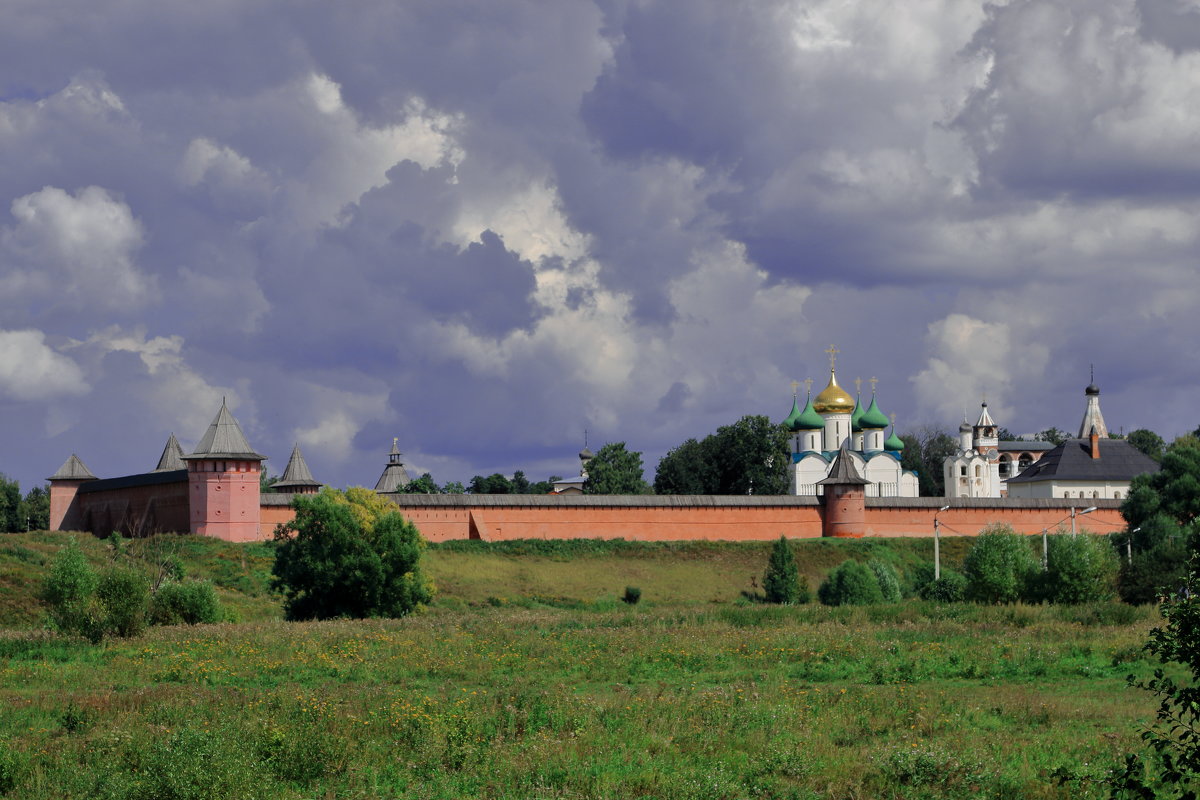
528 679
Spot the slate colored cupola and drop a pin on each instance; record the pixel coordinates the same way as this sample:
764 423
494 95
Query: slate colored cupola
297 478
395 476
223 482
172 457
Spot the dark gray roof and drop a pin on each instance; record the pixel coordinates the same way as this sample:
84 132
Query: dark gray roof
602 500
73 469
142 479
843 470
224 439
1025 447
172 456
393 479
296 474
1072 461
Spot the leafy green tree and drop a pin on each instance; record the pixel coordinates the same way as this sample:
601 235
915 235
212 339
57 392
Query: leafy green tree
1079 569
1148 442
11 520
1170 766
781 582
124 594
888 580
544 487
686 469
35 509
749 456
520 484
422 485
615 470
1005 435
69 594
951 587
454 487
1052 435
1000 566
850 584
344 557
492 484
925 451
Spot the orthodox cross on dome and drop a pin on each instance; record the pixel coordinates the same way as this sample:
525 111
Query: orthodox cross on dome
874 381
858 385
1091 373
395 442
795 386
808 385
832 351
893 418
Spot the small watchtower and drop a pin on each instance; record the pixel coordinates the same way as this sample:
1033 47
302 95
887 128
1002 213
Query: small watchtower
297 478
223 482
845 497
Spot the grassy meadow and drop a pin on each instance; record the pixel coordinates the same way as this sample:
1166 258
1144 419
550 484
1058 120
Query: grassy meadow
528 678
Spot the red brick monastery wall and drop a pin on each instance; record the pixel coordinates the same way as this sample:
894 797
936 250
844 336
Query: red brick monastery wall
503 517
158 502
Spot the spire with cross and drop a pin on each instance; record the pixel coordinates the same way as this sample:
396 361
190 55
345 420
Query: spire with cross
832 351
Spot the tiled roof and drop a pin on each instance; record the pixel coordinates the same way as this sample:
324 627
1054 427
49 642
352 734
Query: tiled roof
73 469
172 456
224 439
393 479
1072 461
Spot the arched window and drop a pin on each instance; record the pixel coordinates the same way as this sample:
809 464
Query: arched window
1095 495
962 471
1023 462
977 473
1005 466
1116 495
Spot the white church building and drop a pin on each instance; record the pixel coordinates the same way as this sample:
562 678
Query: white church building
834 418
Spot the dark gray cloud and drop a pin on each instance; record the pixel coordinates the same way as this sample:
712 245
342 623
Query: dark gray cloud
487 227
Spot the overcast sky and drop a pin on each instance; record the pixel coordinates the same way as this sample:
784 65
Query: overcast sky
484 226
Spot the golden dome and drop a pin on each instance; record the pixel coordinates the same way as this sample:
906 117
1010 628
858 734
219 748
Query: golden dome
833 399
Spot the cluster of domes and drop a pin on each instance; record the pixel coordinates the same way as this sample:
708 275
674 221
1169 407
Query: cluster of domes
833 399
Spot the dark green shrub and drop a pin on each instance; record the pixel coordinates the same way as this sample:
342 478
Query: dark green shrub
632 595
950 588
1170 766
185 603
10 767
346 555
69 594
1080 569
781 582
1000 567
850 583
1159 564
889 581
124 594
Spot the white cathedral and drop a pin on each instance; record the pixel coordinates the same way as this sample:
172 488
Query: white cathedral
834 418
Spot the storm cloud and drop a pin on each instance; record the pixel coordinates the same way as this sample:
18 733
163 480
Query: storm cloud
486 227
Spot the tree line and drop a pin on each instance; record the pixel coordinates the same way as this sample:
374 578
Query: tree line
18 513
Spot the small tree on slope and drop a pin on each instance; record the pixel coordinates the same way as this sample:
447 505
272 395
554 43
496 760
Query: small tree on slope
781 583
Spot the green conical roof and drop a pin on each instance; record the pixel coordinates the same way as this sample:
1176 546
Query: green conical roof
873 417
793 417
857 415
809 419
893 443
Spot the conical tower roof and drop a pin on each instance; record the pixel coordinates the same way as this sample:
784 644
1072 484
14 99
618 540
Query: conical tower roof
394 477
296 474
843 470
985 419
172 457
224 439
73 469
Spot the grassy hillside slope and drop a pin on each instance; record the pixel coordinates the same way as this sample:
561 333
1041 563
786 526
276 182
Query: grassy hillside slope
472 572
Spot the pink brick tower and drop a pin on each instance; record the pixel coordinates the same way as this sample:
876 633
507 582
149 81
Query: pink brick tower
223 487
845 498
64 485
